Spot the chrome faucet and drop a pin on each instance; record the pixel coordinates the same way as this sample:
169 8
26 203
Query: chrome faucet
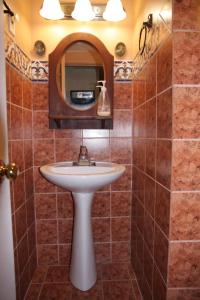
83 158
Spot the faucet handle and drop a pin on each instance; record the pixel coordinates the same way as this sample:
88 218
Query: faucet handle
83 150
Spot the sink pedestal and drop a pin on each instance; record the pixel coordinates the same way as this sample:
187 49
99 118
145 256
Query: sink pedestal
83 273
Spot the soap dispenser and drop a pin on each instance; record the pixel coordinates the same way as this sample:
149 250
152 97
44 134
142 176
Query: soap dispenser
103 108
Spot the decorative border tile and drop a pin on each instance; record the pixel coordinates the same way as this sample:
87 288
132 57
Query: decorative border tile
40 70
17 57
123 70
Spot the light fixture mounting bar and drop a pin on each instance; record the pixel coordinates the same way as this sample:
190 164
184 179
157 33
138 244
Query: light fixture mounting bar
97 8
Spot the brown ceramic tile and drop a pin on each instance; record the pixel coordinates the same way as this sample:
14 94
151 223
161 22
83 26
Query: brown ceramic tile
101 205
164 66
139 148
164 115
22 250
120 229
17 154
30 211
148 267
184 268
118 290
43 152
27 93
16 87
68 133
183 294
40 96
56 292
159 287
65 254
116 271
33 292
122 126
32 263
16 130
67 149
139 121
65 205
162 208
27 124
41 125
138 184
29 183
47 254
121 151
149 231
139 218
186 112
65 231
122 95
45 206
57 274
46 231
95 293
18 191
120 204
28 154
151 118
141 87
20 219
41 184
121 252
136 290
151 78
185 169
31 238
24 282
8 83
151 157
102 252
150 195
124 182
163 162
98 149
186 57
161 246
101 229
183 8
185 212
39 274
135 93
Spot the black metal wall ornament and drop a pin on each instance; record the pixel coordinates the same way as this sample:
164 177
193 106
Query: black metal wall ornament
8 10
144 30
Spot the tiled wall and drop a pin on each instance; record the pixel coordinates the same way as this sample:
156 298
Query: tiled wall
19 104
152 145
166 208
184 247
54 206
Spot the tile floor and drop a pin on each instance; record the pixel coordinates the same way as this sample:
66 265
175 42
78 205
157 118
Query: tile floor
115 282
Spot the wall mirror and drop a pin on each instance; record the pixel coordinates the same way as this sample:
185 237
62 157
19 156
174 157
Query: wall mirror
75 66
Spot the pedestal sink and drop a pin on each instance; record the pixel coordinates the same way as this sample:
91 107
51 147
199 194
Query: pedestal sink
82 181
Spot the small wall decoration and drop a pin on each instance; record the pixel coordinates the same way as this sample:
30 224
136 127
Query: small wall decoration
120 49
39 48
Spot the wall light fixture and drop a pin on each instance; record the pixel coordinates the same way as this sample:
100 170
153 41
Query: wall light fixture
83 10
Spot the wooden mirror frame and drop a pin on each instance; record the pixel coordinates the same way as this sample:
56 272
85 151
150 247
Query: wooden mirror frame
62 115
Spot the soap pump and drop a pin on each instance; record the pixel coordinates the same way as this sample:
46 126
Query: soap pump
103 100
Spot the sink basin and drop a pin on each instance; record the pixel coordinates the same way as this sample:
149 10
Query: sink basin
82 179
83 182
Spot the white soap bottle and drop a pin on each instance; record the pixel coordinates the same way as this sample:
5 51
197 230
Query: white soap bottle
103 108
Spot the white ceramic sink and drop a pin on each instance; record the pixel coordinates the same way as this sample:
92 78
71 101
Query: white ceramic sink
82 179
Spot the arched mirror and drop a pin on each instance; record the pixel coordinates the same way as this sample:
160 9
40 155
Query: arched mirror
79 70
76 65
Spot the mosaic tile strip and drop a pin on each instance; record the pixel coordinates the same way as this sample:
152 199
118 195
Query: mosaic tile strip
162 28
17 57
40 70
123 70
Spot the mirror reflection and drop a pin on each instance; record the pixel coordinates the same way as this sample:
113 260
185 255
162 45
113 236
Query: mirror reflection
78 71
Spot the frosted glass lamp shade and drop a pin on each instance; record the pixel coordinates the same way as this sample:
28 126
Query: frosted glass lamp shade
114 11
51 10
83 11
